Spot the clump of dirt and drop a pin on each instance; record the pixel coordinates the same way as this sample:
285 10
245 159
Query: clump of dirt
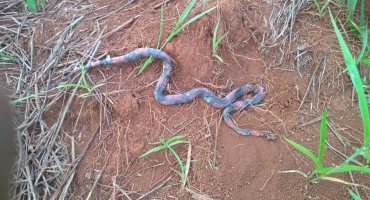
127 106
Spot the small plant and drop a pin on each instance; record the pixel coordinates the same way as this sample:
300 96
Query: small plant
84 84
320 171
168 145
320 10
216 42
31 4
5 58
179 26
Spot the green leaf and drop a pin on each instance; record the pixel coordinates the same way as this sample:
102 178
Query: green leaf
308 153
366 61
23 99
175 31
356 80
174 138
353 195
218 57
351 5
153 150
323 8
176 156
72 85
145 64
94 87
214 45
184 14
322 137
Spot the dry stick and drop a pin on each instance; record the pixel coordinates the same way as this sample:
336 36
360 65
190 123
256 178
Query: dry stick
123 192
160 4
121 26
128 125
214 148
309 84
154 189
187 168
110 13
65 189
342 154
52 140
78 160
310 122
96 181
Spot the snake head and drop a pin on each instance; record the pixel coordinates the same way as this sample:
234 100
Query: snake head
269 135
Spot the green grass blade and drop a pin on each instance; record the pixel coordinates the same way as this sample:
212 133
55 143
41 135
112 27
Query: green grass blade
219 39
94 87
145 64
218 57
322 137
308 153
155 149
356 80
351 5
72 85
345 168
173 152
215 36
323 7
184 14
197 17
360 151
182 176
42 3
362 14
178 142
353 195
366 61
364 37
84 95
169 140
176 31
23 99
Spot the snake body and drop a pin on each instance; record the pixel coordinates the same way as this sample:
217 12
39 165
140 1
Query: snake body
227 102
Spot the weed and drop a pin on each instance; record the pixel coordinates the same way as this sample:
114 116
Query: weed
168 145
320 10
5 58
179 26
84 84
320 171
31 4
216 42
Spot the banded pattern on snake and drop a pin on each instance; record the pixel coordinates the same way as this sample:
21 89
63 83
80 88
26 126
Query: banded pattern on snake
228 102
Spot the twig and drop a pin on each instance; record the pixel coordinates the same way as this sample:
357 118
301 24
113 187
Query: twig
154 189
187 168
123 192
310 122
309 84
96 181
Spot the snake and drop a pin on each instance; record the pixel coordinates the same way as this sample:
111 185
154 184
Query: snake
228 103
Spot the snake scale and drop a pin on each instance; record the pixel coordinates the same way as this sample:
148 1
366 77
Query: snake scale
228 102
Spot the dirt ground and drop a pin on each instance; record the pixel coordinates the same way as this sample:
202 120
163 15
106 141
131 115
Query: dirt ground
128 121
